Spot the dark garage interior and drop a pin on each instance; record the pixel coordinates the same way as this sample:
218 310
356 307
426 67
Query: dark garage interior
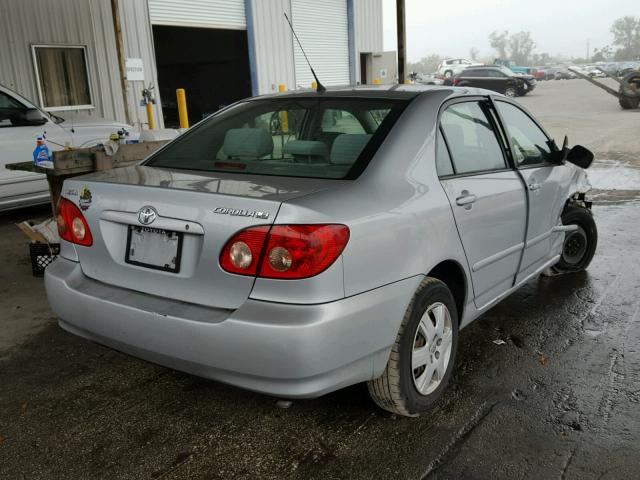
212 65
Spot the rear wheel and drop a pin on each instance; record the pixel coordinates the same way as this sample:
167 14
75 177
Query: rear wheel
580 245
423 354
448 74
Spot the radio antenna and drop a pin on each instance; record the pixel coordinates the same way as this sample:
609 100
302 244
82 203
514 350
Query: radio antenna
319 87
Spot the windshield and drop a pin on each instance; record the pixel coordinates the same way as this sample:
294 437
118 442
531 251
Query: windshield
301 137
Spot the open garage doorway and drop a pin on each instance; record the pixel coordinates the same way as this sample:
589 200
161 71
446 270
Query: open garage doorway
212 65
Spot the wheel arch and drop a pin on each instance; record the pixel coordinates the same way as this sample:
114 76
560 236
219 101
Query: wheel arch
453 275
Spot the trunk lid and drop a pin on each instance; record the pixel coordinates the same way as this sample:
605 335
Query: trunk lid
206 209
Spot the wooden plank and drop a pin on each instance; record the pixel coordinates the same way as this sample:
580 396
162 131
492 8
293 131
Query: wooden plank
22 166
35 237
127 155
73 161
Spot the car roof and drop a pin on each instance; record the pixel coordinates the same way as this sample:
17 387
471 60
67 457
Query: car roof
398 92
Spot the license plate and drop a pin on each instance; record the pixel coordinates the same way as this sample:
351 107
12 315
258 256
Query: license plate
154 248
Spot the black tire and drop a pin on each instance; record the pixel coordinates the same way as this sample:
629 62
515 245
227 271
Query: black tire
448 74
511 92
396 389
629 102
579 246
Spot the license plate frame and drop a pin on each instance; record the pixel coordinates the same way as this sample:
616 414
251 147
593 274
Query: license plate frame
154 231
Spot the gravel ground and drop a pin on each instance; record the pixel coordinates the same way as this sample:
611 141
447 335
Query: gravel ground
559 399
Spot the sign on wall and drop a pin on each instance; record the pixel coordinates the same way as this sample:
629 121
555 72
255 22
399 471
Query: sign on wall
135 69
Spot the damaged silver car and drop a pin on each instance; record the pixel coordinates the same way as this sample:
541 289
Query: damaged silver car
298 243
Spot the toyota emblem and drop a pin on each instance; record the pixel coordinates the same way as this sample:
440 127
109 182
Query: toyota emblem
147 215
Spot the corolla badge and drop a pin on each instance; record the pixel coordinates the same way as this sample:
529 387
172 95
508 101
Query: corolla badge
239 212
147 215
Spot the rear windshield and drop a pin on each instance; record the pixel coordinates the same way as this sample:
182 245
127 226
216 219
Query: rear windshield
297 137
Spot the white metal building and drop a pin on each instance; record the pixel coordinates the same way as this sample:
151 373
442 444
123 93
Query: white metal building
218 50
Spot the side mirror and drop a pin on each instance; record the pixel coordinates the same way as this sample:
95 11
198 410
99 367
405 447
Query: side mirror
580 156
559 155
32 116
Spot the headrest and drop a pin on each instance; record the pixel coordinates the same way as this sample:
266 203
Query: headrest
347 148
247 142
306 148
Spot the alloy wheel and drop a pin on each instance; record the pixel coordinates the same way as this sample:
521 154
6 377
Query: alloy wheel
431 348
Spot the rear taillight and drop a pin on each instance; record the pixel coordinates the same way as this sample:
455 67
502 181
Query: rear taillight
284 251
242 253
456 82
72 225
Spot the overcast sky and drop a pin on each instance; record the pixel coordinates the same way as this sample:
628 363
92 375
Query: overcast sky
452 27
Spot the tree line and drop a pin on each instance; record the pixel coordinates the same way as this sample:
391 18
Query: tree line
520 48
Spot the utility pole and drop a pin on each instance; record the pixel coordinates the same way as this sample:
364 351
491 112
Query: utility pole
402 40
588 50
117 27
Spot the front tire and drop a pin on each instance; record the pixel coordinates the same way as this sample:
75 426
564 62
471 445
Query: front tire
511 92
580 245
423 355
448 74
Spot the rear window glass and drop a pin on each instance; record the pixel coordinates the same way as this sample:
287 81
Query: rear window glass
300 137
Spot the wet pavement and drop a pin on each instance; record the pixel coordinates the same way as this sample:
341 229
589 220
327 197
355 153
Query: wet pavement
560 399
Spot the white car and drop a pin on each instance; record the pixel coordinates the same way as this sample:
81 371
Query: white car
453 66
21 123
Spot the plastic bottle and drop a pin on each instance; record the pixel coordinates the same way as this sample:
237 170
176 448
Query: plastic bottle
41 155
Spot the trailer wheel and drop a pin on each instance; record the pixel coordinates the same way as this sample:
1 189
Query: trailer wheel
630 102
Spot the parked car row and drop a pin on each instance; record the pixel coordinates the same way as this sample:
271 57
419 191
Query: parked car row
619 69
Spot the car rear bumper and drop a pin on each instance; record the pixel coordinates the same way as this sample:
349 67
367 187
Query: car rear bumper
293 351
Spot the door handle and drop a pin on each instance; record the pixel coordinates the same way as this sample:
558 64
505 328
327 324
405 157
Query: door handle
465 199
534 186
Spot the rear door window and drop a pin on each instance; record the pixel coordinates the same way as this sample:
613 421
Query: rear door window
496 74
471 139
306 137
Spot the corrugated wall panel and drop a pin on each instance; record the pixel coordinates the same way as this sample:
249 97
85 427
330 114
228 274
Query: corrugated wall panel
322 28
27 22
199 13
138 43
368 29
273 45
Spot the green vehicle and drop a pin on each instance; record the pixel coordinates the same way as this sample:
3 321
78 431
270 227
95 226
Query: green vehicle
511 65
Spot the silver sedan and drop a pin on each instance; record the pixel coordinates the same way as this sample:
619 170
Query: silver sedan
298 243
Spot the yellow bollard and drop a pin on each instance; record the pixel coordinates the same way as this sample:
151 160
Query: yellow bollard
150 117
182 108
376 81
284 116
314 85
